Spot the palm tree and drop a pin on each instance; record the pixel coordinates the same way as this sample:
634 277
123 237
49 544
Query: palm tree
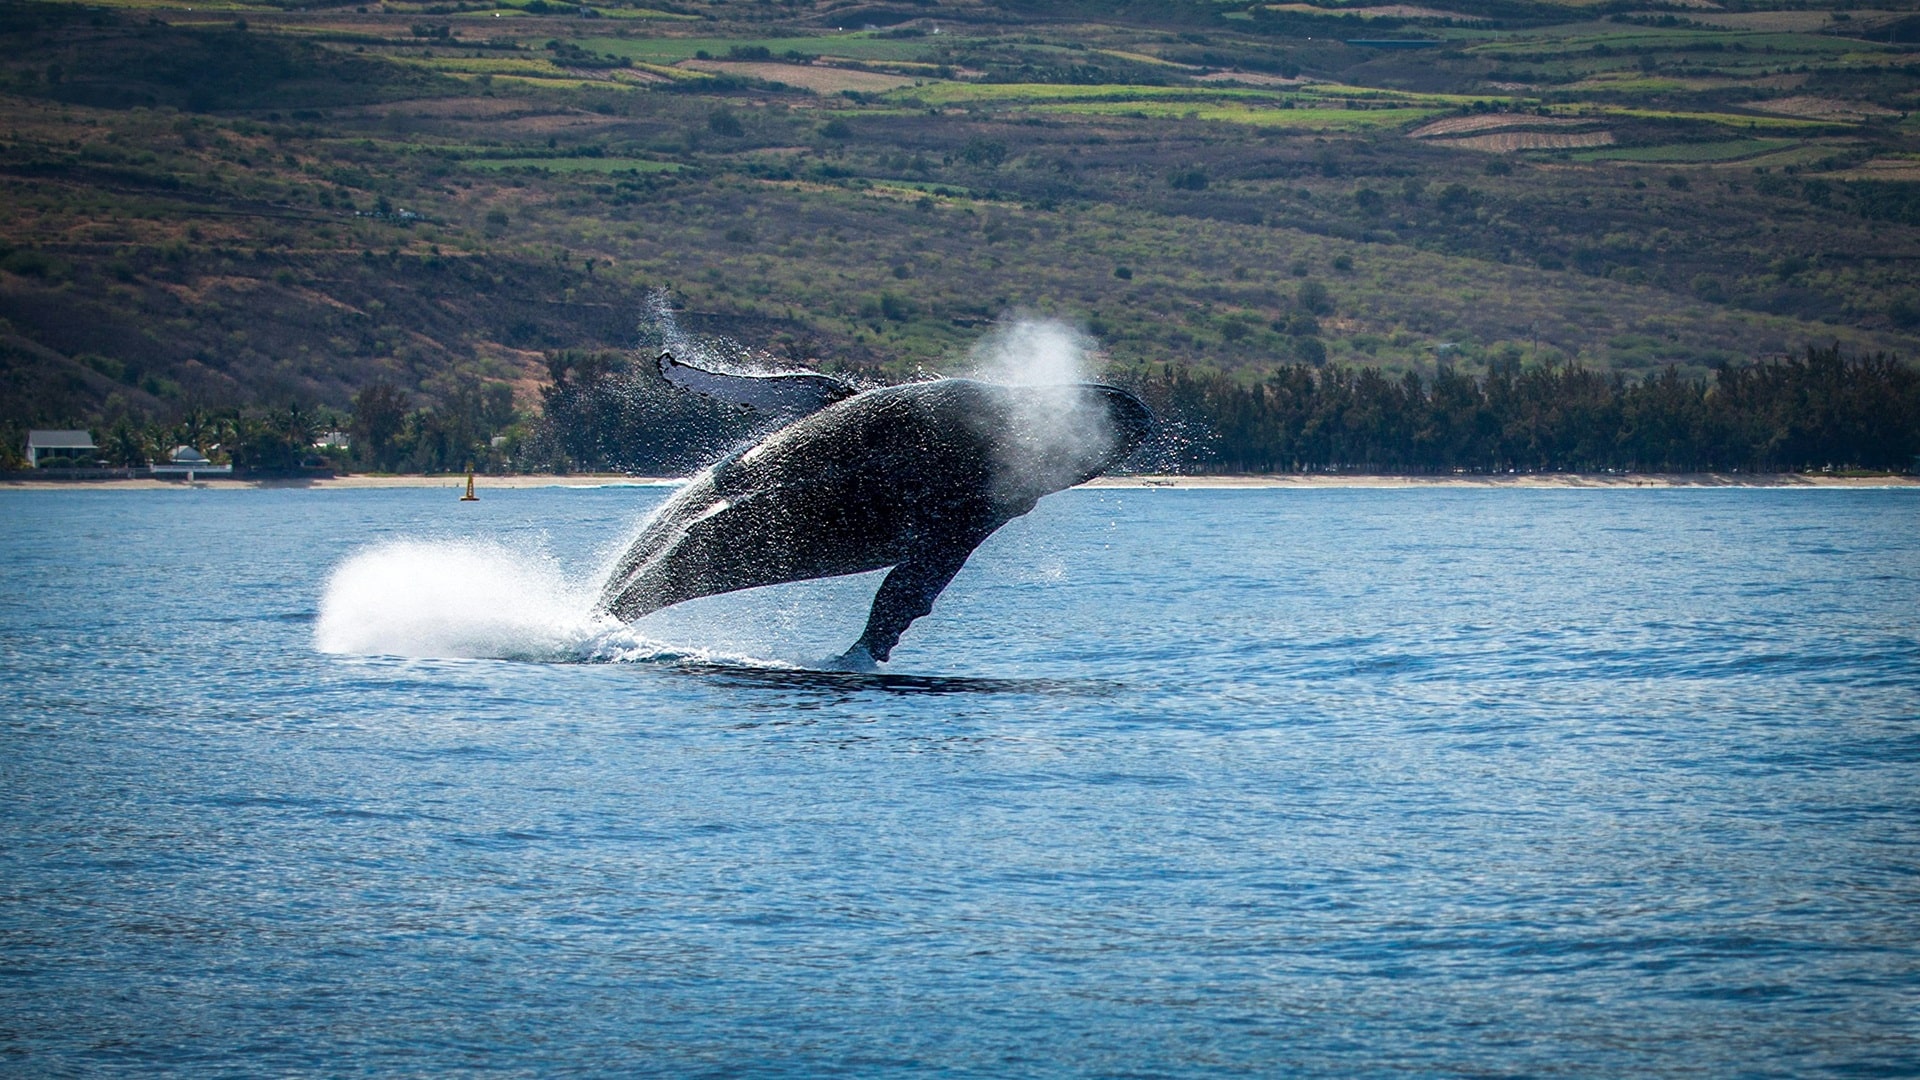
127 445
296 425
195 429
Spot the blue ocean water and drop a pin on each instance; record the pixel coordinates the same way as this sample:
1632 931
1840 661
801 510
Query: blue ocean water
1172 783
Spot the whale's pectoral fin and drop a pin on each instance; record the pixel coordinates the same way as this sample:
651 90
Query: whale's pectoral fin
907 593
796 393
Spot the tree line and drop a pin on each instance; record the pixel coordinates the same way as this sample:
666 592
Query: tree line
604 412
1789 415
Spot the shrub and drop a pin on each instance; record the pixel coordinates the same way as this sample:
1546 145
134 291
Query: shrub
984 153
1905 310
1312 297
1189 180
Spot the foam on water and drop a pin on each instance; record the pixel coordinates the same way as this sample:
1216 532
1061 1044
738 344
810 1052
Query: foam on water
476 600
465 599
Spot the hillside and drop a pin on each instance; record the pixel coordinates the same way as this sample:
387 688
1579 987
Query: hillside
251 205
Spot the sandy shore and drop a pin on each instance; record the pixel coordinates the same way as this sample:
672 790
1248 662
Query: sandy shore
343 483
1512 480
1317 480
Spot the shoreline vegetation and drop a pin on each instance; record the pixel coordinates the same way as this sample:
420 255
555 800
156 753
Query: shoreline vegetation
611 413
1611 481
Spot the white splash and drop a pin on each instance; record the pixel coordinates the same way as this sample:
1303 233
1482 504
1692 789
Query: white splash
660 317
708 352
1026 351
456 599
474 600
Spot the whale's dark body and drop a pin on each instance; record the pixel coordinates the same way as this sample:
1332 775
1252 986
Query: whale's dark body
911 477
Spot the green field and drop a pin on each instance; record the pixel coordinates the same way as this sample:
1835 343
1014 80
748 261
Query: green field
481 65
1671 40
518 9
1317 95
1721 119
855 46
1798 156
1308 119
958 93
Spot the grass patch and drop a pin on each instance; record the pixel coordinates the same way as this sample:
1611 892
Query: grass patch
509 7
1138 58
1179 99
518 11
1632 82
558 81
463 65
1734 120
1797 155
959 93
673 50
1306 119
1641 40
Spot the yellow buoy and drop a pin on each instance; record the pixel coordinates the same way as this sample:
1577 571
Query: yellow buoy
469 496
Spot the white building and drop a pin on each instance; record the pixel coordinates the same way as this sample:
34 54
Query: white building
189 462
44 446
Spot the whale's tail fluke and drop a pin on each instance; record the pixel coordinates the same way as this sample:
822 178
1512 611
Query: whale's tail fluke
794 394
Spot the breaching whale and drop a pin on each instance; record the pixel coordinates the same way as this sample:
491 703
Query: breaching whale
912 477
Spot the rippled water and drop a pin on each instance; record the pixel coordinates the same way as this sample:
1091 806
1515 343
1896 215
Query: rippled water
1173 782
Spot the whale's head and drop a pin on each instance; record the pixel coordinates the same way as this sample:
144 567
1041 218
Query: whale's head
1053 437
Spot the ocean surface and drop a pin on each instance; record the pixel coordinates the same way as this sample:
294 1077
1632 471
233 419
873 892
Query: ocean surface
1327 783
